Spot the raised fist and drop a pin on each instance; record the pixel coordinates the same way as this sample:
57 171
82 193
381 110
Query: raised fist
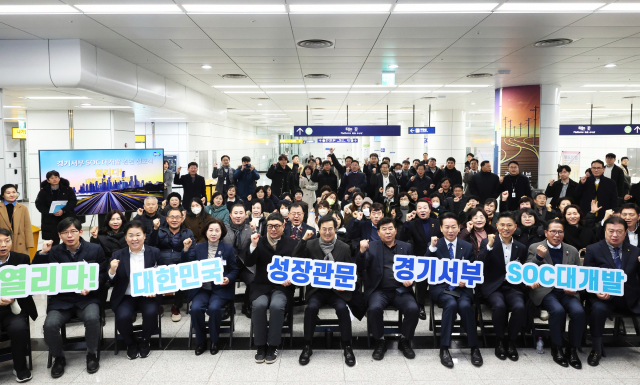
583 179
542 251
308 234
627 197
607 214
164 203
504 195
187 244
215 165
46 246
549 207
434 241
274 164
114 266
358 215
432 186
346 197
501 179
178 170
552 182
364 245
456 199
490 239
413 178
156 224
254 239
380 190
467 207
347 210
94 232
249 197
410 216
373 170
440 190
139 211
469 226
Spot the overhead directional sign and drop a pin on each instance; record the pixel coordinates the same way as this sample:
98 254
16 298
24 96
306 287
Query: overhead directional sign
422 130
599 129
340 140
306 131
294 141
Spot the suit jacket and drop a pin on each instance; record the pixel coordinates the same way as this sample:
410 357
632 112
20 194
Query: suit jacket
121 280
353 179
466 178
635 194
421 184
190 190
495 269
414 234
522 188
555 189
484 185
371 263
607 194
218 173
26 304
455 207
570 256
227 254
261 258
22 238
464 251
311 250
241 246
88 252
598 255
435 176
377 181
618 176
304 227
359 230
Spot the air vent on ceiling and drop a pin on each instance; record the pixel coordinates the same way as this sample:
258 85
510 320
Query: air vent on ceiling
553 43
234 76
317 108
316 76
315 43
317 98
428 97
564 97
231 108
504 72
476 76
629 97
260 98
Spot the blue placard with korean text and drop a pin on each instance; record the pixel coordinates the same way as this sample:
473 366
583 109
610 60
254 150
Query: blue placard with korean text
317 273
306 131
422 130
599 129
338 140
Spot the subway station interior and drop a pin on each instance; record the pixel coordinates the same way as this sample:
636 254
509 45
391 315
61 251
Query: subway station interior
107 92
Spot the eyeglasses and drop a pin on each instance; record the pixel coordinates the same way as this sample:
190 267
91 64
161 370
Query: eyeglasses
556 232
619 232
327 230
5 242
597 168
295 214
175 217
274 227
71 232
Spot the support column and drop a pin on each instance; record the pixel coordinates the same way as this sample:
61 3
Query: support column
389 145
549 134
449 137
365 149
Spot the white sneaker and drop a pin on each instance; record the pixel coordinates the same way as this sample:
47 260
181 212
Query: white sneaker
175 314
544 315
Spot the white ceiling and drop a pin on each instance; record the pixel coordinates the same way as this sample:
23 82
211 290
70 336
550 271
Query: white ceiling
430 49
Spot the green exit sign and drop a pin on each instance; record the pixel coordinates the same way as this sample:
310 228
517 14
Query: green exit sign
388 78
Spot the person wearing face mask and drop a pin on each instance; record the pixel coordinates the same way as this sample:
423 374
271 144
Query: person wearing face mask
576 233
529 230
283 209
366 208
436 207
596 187
217 208
212 298
477 229
419 227
111 236
405 206
332 200
195 220
14 216
134 258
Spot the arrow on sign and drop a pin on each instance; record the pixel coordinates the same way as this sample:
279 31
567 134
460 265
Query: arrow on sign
299 131
637 129
412 130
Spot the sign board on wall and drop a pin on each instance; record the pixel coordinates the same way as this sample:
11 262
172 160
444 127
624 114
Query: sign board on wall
173 162
305 131
293 141
599 129
422 130
572 159
347 140
18 133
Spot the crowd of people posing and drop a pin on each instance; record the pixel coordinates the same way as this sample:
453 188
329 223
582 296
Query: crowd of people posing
326 210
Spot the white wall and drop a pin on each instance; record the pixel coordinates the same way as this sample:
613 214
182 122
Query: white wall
11 158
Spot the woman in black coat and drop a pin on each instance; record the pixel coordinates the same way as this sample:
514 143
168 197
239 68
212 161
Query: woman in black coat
529 230
111 236
578 228
52 189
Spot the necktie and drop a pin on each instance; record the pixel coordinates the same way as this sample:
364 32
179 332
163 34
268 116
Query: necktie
452 257
596 197
616 258
294 234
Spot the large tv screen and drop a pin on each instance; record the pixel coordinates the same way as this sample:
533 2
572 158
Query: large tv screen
105 180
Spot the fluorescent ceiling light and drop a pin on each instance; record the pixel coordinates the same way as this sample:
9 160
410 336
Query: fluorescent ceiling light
165 118
620 91
234 86
605 85
129 8
105 107
549 7
451 92
206 67
368 92
339 8
423 85
13 107
412 92
610 65
392 66
288 86
369 86
54 97
445 7
274 114
576 92
234 8
467 85
244 92
31 9
618 7
329 92
86 104
286 92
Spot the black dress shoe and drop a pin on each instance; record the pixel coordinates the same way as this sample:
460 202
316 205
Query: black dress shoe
512 352
592 360
422 313
558 356
380 349
200 348
214 348
57 370
445 358
225 314
349 357
571 354
501 350
92 363
476 357
305 356
405 346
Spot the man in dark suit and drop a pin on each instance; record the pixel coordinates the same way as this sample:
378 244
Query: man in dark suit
295 227
325 177
452 299
503 297
418 230
564 187
375 259
612 253
485 184
382 180
278 173
433 172
450 171
634 195
327 247
616 174
15 313
423 184
361 228
193 185
64 306
239 236
596 187
457 202
351 181
370 170
516 184
470 171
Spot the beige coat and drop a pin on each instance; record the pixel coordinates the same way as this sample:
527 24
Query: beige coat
22 234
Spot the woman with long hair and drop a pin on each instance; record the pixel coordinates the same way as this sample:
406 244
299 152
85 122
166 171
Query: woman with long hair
530 229
14 217
577 233
196 219
111 236
478 228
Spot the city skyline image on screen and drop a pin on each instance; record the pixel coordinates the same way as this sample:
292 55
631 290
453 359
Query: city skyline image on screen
106 180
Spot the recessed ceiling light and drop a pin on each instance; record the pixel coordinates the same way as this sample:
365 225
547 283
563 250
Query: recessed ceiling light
548 7
315 43
55 97
234 86
259 104
129 8
105 107
339 8
359 104
605 85
234 8
13 107
85 104
548 43
206 67
467 85
393 66
610 65
445 7
473 104
617 7
31 9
